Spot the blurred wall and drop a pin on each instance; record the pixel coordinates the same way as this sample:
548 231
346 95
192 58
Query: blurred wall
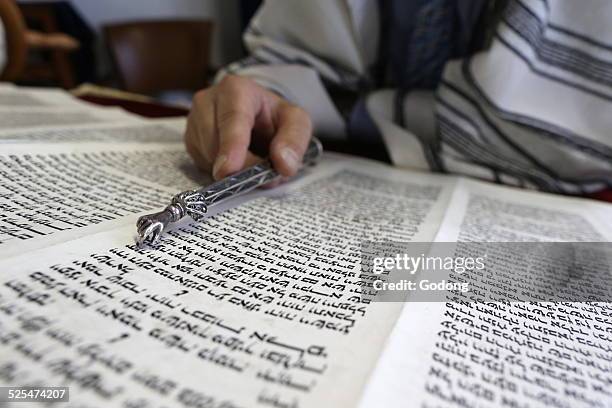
225 13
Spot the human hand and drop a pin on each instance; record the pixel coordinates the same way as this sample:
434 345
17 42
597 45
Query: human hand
227 118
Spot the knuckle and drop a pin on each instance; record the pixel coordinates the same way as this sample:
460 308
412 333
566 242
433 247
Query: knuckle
232 119
199 96
293 110
232 82
298 114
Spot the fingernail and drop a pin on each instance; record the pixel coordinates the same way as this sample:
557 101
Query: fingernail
290 158
218 164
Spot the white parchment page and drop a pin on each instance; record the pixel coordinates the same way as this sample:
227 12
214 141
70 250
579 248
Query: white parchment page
485 355
159 131
256 306
50 192
51 117
31 97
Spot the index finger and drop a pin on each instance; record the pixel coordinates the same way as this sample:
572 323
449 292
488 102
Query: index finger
235 112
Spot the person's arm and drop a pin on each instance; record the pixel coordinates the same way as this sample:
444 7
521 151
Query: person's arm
278 94
534 108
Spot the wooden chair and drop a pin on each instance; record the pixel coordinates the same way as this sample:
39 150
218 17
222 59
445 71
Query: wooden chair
156 56
48 49
15 35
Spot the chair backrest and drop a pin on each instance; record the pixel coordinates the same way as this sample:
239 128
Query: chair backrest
15 36
155 56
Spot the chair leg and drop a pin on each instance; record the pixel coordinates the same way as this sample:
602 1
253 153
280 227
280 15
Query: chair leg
63 69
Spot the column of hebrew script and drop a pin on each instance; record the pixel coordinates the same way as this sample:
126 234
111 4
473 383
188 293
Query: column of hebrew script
51 189
258 305
105 132
511 353
15 118
172 168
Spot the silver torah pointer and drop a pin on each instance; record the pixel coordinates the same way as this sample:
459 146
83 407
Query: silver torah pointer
195 203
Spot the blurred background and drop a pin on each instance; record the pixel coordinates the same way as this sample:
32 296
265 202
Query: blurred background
165 49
